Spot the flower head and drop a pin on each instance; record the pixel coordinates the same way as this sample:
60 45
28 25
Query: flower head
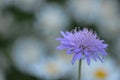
101 71
83 44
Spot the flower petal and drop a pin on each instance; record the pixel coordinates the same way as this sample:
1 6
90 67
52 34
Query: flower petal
88 60
64 35
69 51
99 58
87 53
74 59
79 56
60 47
60 39
77 50
103 52
94 58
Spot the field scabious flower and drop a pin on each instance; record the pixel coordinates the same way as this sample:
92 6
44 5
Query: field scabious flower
83 44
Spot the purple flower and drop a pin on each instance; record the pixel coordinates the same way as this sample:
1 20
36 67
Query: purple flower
83 44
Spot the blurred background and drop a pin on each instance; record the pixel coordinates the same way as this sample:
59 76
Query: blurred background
28 32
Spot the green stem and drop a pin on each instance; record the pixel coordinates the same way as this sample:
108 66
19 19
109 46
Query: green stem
79 72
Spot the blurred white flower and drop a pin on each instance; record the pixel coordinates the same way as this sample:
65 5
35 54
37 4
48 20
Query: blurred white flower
84 10
26 51
101 71
104 13
109 22
73 72
100 12
49 22
51 19
52 68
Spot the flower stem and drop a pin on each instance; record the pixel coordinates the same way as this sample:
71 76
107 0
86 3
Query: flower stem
79 68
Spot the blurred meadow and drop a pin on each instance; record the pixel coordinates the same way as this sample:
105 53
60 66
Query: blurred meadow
28 32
